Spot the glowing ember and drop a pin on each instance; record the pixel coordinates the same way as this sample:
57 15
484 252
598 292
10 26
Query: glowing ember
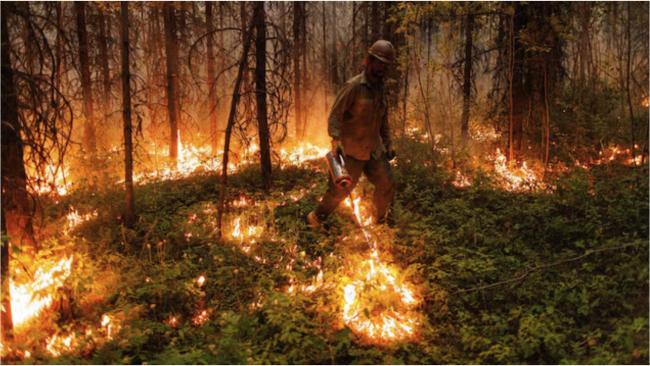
645 102
27 300
308 289
513 178
201 317
56 345
246 236
74 219
482 133
613 152
241 202
461 180
172 321
106 323
200 281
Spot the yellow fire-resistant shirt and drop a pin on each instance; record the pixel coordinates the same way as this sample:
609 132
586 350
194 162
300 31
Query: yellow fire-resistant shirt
359 118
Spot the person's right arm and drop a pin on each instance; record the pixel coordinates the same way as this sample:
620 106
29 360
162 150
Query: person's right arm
343 102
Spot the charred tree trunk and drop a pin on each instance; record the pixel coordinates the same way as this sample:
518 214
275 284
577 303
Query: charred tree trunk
212 95
14 195
260 93
324 56
303 53
221 103
467 77
102 40
59 46
15 200
129 207
171 49
231 121
31 44
11 145
243 11
86 86
628 87
6 320
297 76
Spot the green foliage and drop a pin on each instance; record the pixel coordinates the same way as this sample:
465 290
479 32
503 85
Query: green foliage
586 119
450 241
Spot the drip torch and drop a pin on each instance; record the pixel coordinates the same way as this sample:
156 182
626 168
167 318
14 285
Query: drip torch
338 172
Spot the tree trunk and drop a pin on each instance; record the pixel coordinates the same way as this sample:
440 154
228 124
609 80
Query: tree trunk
511 67
16 220
15 200
12 153
231 121
59 46
375 21
467 77
31 45
6 320
86 86
335 53
628 88
222 66
129 208
102 40
244 22
303 53
260 93
297 48
366 25
324 56
212 97
171 49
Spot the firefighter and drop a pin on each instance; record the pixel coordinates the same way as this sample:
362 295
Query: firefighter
358 126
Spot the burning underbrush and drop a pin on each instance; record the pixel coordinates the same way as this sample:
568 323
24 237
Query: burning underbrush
378 301
152 164
55 294
273 291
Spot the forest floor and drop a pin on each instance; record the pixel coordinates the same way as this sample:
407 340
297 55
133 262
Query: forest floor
569 267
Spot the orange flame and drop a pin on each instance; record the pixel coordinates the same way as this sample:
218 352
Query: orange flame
56 345
26 303
389 317
49 181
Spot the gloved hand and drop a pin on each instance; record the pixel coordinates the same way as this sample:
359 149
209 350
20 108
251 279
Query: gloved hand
337 147
390 153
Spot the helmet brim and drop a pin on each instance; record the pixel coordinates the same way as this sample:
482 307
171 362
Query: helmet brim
380 58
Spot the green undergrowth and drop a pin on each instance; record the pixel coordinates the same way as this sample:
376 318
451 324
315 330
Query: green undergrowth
535 277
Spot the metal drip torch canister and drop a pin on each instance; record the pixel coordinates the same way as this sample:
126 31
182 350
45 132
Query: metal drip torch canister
339 174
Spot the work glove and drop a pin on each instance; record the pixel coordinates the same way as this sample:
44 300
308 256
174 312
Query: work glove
337 147
390 153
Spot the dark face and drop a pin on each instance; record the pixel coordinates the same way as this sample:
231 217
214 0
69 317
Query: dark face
376 68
